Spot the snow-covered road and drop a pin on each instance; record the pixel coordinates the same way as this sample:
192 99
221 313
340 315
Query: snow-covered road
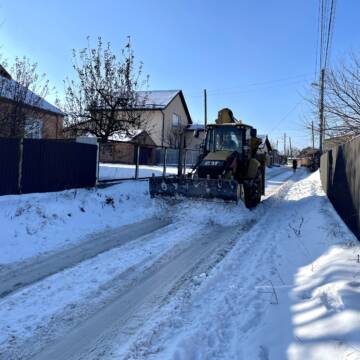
49 264
199 282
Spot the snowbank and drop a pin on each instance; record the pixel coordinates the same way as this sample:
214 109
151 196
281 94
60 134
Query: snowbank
37 223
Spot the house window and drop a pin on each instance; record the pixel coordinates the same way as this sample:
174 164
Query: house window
33 129
175 120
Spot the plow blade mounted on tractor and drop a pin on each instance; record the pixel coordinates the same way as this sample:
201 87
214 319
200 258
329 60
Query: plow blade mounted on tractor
228 190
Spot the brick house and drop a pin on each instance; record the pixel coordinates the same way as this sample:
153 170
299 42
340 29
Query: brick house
41 120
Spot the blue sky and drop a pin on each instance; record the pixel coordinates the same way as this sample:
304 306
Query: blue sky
256 57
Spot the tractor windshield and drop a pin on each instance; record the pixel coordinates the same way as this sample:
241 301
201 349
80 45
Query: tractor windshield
224 138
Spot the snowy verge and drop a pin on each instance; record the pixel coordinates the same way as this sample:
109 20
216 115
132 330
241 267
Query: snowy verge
34 224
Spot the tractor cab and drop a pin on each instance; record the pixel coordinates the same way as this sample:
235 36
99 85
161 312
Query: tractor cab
228 148
224 138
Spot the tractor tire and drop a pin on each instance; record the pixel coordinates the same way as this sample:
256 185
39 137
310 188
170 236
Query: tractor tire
253 190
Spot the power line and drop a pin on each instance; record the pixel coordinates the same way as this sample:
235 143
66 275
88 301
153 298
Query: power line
253 86
326 20
329 30
321 26
285 116
332 27
317 40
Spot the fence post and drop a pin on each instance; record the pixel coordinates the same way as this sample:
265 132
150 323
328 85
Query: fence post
185 155
21 155
181 148
137 162
165 156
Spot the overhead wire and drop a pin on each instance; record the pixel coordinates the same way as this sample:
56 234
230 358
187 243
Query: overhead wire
317 40
326 20
331 31
253 86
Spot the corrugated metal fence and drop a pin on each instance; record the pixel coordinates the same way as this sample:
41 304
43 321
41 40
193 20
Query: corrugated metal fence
29 165
340 177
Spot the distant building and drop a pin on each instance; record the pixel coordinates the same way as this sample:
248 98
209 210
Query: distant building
122 148
165 114
266 149
194 136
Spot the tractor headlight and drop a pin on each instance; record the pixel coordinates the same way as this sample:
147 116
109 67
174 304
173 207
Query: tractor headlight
213 163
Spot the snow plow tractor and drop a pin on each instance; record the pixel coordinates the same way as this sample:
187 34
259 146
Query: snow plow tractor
229 168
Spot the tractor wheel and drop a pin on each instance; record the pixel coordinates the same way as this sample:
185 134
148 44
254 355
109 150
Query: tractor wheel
253 190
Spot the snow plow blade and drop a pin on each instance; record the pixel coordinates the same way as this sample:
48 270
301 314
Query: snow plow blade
228 190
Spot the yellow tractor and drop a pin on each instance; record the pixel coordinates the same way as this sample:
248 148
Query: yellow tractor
229 168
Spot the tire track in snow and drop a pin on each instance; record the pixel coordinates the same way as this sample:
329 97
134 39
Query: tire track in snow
48 265
130 309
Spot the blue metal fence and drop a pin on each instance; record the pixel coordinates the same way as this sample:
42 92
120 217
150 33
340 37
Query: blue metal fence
45 165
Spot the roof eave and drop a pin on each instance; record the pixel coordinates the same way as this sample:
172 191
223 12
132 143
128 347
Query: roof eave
60 113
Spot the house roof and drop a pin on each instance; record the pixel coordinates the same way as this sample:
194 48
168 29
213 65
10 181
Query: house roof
196 127
123 136
264 142
9 87
160 99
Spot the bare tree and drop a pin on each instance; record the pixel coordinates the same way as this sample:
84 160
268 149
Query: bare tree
174 137
341 99
104 98
22 90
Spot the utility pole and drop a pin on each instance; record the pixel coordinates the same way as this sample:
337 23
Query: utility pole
312 135
284 144
205 108
321 109
290 147
277 144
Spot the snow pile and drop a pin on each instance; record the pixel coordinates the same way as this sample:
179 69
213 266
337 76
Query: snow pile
203 212
37 223
289 289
